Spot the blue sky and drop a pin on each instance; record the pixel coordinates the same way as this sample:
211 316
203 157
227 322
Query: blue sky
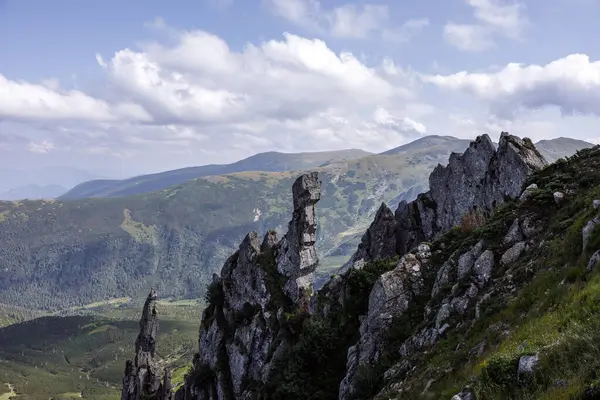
122 88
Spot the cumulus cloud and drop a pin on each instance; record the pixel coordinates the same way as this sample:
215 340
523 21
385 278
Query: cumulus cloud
347 20
571 84
494 18
19 99
198 96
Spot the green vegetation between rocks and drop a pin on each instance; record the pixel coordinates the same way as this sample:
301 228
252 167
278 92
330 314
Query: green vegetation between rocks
84 356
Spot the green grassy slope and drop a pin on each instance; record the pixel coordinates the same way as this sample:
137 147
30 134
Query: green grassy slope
84 356
266 162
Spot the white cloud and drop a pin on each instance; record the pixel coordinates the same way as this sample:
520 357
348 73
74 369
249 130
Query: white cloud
347 20
291 78
40 147
494 18
201 100
30 101
571 84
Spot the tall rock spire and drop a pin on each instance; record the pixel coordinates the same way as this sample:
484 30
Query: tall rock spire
245 328
143 378
297 256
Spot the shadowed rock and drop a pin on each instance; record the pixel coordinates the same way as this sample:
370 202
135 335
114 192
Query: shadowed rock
378 242
242 330
143 378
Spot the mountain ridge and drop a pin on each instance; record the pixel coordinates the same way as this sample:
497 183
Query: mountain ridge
271 161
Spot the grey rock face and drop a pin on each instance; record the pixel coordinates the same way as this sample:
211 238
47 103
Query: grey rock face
588 230
514 234
596 204
459 186
297 254
511 255
483 267
465 394
472 183
527 364
237 344
393 293
143 378
559 197
593 260
528 192
408 231
378 242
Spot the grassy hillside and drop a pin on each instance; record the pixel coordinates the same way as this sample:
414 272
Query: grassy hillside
84 356
266 162
59 254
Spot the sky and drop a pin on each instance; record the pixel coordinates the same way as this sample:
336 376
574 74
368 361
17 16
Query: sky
121 88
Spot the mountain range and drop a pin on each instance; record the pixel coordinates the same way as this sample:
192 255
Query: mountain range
65 253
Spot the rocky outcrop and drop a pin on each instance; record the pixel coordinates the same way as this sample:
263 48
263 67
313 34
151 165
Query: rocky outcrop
475 182
470 186
378 242
243 328
143 377
296 253
393 294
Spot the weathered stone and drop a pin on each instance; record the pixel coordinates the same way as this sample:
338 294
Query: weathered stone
239 326
297 253
593 260
466 262
483 267
529 190
465 394
511 255
588 230
528 364
559 197
142 377
408 228
468 188
393 293
378 242
442 315
596 204
514 234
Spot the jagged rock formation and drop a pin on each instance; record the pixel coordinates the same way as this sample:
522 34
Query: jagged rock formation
470 186
243 329
407 326
143 377
378 242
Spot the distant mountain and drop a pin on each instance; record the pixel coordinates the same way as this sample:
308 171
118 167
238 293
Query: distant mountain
561 147
11 178
266 162
33 192
435 144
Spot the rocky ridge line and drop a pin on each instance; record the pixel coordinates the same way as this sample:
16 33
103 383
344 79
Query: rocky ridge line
243 329
470 186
